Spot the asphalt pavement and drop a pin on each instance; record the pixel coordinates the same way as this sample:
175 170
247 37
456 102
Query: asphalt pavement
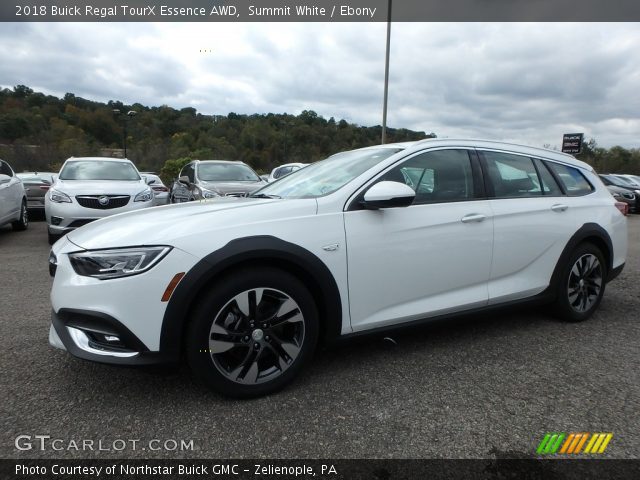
478 387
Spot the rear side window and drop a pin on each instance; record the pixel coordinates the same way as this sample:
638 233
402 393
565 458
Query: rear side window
574 182
549 184
512 175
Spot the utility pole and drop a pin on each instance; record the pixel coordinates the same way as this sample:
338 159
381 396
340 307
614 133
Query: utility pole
386 78
130 114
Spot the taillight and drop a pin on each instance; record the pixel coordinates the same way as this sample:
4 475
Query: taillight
623 207
160 189
45 187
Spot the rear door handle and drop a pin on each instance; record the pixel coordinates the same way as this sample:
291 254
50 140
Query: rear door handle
558 207
473 217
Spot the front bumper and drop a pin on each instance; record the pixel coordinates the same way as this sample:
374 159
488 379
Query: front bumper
64 217
100 338
87 310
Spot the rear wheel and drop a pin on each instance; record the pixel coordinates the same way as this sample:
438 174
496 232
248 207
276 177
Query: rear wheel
581 284
252 332
23 222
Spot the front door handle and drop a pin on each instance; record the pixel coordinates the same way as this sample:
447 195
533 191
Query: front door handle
473 217
559 207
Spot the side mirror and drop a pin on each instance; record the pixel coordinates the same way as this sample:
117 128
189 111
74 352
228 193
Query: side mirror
149 181
4 178
185 180
388 195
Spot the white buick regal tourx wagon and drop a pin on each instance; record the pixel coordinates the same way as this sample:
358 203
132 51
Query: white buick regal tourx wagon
390 235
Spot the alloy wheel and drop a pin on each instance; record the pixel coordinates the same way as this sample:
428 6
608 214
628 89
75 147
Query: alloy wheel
585 283
256 336
24 215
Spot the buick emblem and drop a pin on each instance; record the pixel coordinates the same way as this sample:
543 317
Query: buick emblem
103 200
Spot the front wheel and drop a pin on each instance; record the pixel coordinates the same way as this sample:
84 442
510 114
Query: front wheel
581 284
23 221
252 332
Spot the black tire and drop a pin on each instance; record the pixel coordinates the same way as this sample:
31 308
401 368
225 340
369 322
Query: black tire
265 355
581 284
23 222
53 238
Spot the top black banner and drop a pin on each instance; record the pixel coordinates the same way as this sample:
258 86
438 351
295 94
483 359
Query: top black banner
320 11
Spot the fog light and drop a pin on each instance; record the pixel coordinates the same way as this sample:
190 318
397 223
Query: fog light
56 220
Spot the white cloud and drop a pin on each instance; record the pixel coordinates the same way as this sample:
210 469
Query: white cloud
522 82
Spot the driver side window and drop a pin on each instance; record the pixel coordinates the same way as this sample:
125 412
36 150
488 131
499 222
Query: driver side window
436 177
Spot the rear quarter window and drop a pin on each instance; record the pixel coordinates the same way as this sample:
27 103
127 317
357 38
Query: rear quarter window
574 182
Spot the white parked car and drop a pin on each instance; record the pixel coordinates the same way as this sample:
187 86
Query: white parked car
160 190
284 170
13 199
91 188
371 239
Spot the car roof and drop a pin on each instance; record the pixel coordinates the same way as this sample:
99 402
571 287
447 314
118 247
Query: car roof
105 159
487 144
221 161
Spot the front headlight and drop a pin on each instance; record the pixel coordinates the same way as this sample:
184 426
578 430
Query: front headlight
116 263
204 193
144 196
58 197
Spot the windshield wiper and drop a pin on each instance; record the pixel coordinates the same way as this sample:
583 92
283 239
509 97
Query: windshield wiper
264 195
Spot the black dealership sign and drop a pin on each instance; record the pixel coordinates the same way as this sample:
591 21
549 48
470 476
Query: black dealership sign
572 142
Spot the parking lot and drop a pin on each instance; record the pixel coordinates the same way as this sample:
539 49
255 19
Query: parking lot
475 387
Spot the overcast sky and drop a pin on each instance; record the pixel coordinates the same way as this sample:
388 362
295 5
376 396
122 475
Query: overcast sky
528 83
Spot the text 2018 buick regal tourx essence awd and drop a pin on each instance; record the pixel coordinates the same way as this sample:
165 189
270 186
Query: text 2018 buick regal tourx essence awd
246 288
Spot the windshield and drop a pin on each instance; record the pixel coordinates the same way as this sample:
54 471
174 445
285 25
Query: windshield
226 172
617 181
98 170
627 182
326 176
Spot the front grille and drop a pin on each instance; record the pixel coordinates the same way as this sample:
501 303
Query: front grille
103 202
79 223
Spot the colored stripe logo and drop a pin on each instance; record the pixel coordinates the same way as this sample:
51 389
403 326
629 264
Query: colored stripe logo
573 443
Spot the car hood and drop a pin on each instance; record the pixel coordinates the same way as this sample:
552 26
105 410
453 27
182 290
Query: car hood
225 188
99 187
164 225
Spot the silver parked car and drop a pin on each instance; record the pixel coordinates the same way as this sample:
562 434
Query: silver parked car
284 170
36 185
13 199
202 179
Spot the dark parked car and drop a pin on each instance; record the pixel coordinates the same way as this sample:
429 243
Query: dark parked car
36 185
613 180
625 196
202 179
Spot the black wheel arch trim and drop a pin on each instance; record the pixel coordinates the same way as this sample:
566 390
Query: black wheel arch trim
257 249
585 233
